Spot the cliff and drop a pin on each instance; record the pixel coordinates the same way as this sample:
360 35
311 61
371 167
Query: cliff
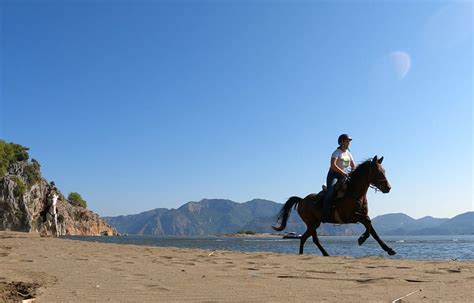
26 202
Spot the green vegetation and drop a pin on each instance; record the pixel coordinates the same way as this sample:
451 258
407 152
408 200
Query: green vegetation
10 152
76 200
20 188
33 172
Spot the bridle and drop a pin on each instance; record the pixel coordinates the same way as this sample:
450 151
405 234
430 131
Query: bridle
376 181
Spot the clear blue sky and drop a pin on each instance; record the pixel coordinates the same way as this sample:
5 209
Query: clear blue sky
145 104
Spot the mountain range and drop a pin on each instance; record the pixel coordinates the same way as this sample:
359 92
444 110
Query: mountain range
220 216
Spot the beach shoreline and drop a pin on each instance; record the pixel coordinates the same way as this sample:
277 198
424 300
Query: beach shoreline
52 269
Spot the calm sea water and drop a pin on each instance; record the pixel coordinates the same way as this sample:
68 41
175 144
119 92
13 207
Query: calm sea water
408 247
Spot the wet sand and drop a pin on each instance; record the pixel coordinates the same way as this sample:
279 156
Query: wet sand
58 270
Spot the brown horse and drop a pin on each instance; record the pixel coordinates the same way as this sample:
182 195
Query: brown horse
351 208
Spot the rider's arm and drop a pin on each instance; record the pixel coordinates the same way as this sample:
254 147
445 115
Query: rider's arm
353 165
335 168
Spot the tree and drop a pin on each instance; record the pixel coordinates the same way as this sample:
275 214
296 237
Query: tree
20 188
33 172
76 199
10 152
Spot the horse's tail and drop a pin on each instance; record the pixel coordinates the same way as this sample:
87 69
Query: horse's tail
285 211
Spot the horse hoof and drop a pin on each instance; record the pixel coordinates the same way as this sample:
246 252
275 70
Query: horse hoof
361 241
391 252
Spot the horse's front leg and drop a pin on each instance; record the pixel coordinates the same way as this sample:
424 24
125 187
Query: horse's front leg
369 228
364 236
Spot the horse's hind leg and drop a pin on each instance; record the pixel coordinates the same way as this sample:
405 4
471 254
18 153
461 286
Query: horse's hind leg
368 225
303 239
316 241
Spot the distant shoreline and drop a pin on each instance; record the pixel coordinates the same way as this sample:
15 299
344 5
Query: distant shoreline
254 235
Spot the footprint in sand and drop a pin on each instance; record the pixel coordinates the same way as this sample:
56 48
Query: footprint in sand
372 280
166 257
117 269
183 263
320 271
434 272
157 287
150 286
415 281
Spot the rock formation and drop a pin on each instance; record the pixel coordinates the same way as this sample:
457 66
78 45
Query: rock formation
26 203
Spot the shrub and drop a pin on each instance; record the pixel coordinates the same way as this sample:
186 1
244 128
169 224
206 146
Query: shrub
6 156
33 173
76 199
20 188
10 152
21 152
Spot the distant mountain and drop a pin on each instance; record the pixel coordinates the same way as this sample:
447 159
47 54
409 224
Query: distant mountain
220 216
209 216
458 225
402 224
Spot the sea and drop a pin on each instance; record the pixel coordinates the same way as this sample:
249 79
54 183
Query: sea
445 247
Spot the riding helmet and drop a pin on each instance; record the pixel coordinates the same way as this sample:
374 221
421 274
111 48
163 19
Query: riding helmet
343 137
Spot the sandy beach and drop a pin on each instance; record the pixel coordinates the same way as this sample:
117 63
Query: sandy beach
55 270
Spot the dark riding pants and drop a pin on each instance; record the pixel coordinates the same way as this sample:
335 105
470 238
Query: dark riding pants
331 180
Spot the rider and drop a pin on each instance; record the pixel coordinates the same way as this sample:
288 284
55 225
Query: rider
341 159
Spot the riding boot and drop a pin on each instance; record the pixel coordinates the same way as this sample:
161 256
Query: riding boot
327 207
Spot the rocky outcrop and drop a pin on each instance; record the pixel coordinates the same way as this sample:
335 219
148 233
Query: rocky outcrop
26 205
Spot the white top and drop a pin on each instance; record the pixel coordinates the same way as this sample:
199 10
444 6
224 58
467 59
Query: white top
343 159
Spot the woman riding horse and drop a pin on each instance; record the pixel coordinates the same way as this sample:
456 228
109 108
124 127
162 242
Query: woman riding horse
351 208
341 160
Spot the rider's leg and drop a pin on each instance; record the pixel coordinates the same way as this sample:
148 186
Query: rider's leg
327 205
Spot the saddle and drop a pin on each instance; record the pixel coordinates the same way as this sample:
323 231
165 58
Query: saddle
339 191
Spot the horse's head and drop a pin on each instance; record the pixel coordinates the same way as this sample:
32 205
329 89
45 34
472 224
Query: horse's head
377 176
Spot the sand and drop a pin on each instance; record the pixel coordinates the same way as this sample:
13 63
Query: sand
58 270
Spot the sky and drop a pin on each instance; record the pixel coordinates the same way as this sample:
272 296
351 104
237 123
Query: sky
138 105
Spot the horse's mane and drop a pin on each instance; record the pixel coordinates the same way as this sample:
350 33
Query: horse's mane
359 169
